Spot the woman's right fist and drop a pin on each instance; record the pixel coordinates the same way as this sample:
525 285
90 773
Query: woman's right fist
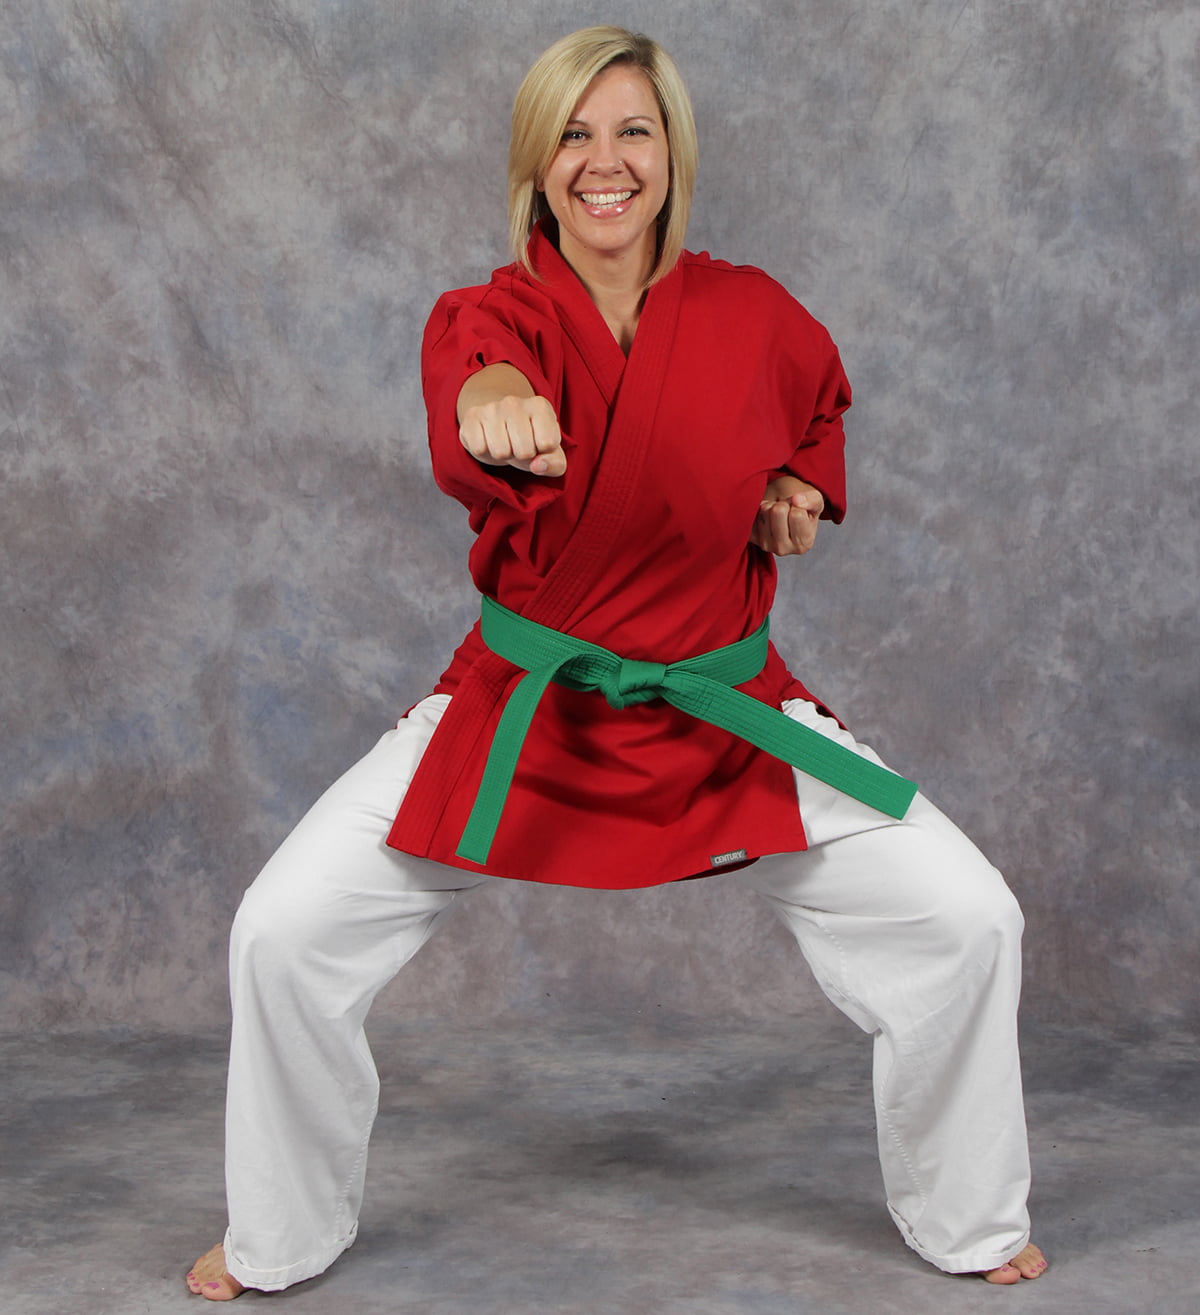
514 431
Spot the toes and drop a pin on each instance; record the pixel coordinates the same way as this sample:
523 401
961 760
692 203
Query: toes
1031 1269
1030 1263
223 1289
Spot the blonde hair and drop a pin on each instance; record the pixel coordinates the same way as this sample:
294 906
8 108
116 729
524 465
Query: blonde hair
544 103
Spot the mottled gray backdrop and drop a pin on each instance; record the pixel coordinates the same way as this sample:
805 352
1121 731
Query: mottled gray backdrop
227 570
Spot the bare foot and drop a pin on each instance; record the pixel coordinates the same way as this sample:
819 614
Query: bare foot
1030 1263
208 1277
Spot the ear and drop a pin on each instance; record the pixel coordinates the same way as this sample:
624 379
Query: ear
540 184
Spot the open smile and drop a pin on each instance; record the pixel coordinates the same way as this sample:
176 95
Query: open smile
606 203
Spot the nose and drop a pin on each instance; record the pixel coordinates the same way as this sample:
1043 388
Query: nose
606 154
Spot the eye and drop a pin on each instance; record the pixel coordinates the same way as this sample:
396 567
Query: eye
573 135
633 131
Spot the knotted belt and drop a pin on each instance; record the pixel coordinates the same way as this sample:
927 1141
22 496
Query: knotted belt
701 686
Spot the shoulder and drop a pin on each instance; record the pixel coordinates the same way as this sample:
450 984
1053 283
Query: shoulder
746 292
498 287
707 271
510 298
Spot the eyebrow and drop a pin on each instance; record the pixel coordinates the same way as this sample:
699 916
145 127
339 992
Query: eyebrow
631 118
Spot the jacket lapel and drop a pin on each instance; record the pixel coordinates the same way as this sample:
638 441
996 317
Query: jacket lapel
632 388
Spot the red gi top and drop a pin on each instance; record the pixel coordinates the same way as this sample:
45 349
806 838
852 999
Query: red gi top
643 547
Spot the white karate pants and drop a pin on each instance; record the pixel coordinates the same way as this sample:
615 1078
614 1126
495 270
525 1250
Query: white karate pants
909 930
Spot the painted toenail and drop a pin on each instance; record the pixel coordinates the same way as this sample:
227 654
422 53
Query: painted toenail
212 1285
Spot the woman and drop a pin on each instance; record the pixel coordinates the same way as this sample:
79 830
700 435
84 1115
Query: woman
635 431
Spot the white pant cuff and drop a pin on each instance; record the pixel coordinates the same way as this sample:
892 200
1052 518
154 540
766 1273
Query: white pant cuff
274 1280
977 1261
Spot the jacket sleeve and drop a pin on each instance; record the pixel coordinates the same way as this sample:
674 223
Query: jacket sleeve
468 330
821 395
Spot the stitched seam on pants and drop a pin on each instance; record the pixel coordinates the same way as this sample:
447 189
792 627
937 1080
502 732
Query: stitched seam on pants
341 1216
840 985
894 1136
881 1108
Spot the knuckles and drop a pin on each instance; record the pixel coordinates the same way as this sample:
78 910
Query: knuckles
784 529
511 430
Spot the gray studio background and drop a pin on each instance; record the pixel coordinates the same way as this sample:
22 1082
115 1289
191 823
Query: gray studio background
227 570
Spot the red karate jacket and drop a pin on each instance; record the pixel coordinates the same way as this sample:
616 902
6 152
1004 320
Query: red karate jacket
643 546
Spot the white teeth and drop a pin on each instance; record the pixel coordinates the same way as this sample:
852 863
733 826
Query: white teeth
605 198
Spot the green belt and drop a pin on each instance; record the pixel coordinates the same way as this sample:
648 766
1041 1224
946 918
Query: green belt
701 686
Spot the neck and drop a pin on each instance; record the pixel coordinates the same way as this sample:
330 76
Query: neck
616 284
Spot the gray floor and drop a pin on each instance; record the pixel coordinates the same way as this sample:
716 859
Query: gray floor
643 1165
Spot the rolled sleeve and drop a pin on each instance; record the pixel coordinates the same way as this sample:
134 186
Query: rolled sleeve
464 334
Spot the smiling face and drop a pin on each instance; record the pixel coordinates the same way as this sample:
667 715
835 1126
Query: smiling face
609 178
